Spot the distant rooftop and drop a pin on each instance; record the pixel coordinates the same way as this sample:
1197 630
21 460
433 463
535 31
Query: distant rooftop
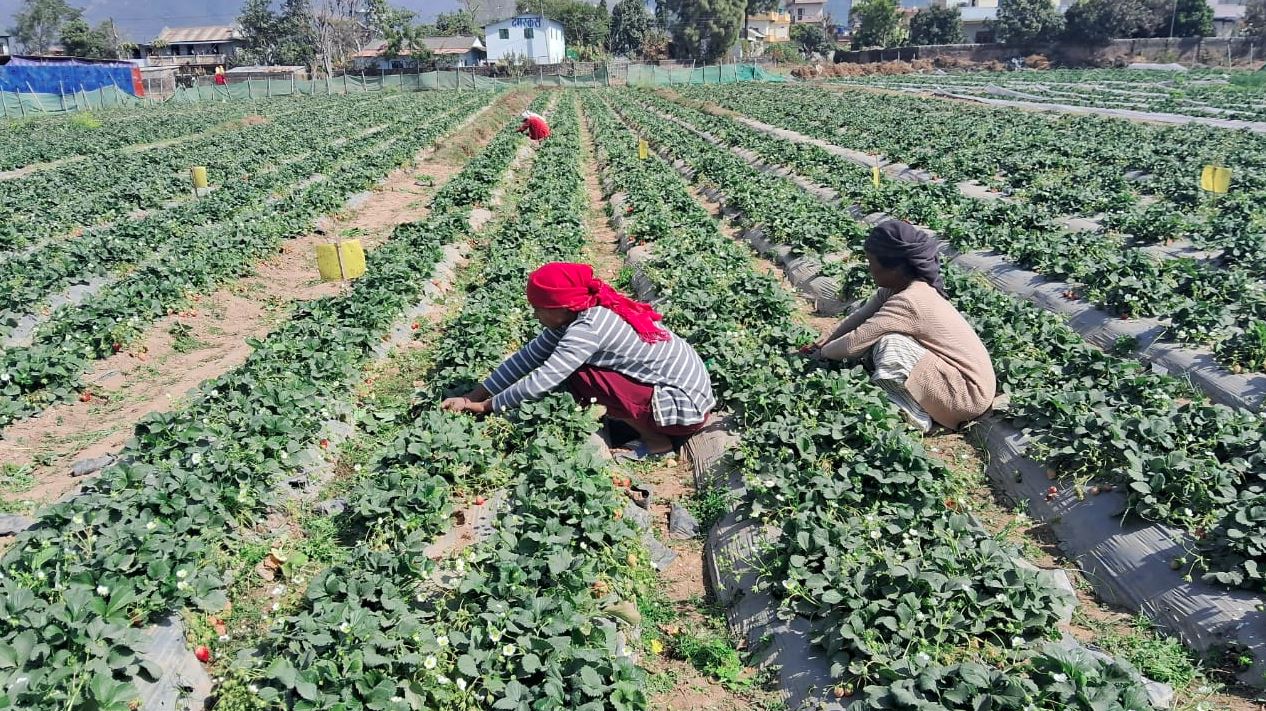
208 33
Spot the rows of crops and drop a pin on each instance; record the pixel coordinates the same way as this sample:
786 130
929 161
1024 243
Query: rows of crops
1208 94
1072 166
899 586
44 139
149 534
1098 419
863 539
155 263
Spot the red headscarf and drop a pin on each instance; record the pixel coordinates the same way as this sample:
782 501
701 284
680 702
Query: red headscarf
565 285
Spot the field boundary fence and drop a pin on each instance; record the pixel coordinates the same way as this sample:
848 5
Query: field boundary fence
18 105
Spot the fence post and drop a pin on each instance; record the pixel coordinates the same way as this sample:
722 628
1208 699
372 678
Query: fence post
268 86
61 92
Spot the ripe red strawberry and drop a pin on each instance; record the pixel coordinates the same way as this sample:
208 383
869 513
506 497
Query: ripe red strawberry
1052 491
85 396
415 325
480 501
117 347
202 653
325 444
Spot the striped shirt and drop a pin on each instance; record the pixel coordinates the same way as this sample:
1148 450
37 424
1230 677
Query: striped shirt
599 337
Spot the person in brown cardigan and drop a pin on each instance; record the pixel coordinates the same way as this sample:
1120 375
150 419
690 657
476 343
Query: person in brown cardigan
916 345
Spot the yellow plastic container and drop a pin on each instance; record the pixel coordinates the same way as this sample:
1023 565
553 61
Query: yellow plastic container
1215 179
643 150
340 260
198 174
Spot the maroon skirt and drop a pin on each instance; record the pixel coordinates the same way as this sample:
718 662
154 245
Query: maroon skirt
625 399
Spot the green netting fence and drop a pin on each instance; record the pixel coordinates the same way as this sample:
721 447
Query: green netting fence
24 104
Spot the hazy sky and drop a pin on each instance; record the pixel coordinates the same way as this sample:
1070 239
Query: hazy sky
142 20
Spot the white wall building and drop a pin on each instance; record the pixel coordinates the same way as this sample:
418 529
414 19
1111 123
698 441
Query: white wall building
533 37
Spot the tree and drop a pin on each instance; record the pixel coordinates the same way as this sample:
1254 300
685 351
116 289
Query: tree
1255 19
403 35
340 30
1190 18
655 43
584 25
1097 21
936 25
878 24
1029 21
811 38
286 38
80 40
629 25
452 24
38 23
704 29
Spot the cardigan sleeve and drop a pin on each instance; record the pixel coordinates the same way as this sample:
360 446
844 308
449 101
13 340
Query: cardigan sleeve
896 315
864 312
529 358
575 349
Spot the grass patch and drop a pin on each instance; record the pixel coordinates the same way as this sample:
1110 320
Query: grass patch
182 338
16 478
708 507
1155 655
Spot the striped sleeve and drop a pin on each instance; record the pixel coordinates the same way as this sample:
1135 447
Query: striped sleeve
529 358
575 348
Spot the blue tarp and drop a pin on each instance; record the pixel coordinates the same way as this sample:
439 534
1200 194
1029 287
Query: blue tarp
64 77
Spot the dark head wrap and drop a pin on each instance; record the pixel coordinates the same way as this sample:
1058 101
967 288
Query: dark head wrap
898 243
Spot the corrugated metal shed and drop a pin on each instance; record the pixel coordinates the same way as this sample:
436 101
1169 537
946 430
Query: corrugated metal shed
187 35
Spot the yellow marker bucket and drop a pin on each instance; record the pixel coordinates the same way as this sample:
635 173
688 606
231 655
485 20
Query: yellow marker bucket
874 175
198 174
1215 179
643 150
341 260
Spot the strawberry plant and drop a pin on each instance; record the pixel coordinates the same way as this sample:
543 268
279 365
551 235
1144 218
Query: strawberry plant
826 465
138 541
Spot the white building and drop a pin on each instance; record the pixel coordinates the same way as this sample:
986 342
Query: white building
769 27
811 11
521 37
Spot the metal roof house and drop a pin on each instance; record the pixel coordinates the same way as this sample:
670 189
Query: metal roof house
207 46
456 51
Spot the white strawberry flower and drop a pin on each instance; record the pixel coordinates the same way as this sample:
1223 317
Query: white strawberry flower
345 628
103 590
151 525
182 573
196 457
443 680
430 662
1059 678
442 640
494 635
77 519
508 650
1017 642
461 684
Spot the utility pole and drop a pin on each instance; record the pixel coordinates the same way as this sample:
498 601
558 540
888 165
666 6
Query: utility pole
1173 17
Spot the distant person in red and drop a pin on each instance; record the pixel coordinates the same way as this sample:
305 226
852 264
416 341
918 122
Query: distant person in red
534 125
220 80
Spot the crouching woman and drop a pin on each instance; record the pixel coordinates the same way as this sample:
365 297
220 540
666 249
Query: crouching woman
918 348
604 348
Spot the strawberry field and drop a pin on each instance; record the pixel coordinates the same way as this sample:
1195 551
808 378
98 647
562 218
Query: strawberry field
306 529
